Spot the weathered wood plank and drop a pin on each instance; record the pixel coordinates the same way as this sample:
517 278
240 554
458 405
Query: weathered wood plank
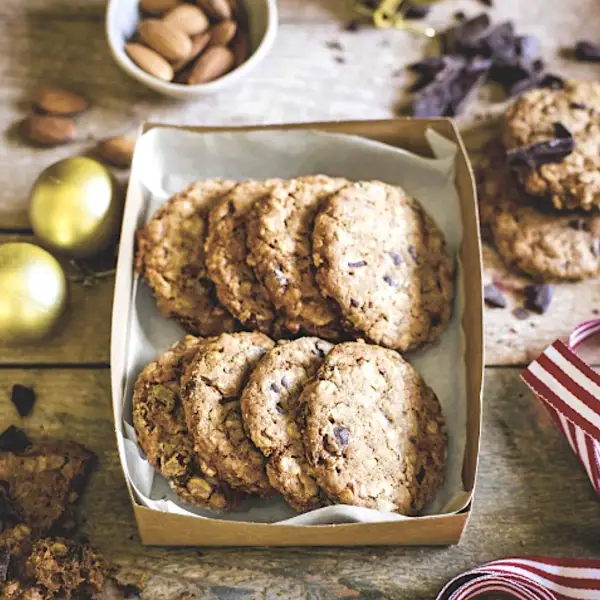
532 497
82 337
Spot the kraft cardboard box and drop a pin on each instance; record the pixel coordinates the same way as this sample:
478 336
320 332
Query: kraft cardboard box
168 157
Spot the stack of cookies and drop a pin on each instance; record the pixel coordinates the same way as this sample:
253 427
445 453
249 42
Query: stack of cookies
314 255
238 414
539 190
231 412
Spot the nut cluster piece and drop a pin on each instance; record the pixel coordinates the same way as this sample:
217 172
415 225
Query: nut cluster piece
189 43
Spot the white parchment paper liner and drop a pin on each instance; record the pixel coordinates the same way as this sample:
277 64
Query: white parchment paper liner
166 160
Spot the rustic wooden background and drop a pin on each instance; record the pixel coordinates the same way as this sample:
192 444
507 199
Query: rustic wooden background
532 497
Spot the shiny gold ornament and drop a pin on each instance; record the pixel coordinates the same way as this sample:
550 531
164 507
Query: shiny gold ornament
33 293
75 208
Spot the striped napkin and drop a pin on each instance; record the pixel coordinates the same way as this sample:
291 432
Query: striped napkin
570 392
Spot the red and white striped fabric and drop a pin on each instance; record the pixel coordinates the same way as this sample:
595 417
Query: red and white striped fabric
570 391
531 578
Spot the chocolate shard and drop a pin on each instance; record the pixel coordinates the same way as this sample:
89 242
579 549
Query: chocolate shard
539 296
430 68
493 296
587 51
540 153
499 43
416 11
23 397
13 439
466 36
554 82
464 86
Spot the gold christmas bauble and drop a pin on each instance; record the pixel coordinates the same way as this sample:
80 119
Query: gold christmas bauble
33 293
75 209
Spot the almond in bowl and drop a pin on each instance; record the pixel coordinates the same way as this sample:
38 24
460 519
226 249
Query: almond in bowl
192 47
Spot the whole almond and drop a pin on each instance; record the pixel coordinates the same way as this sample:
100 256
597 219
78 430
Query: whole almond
216 9
157 7
168 41
210 65
187 18
48 130
222 33
199 42
117 151
56 101
149 61
240 46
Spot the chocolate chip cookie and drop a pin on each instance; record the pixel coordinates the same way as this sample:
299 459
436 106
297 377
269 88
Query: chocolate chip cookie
162 433
226 253
374 430
384 261
532 238
211 390
279 230
574 182
270 409
170 255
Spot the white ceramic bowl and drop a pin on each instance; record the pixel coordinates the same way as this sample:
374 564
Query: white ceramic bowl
122 17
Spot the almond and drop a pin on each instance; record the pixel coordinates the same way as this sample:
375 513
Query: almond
48 130
57 101
216 61
240 47
149 61
168 41
187 18
216 9
222 33
157 7
117 151
199 42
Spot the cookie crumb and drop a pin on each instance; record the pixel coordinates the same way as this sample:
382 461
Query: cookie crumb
521 314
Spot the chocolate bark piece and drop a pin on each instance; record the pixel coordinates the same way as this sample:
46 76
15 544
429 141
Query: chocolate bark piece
587 51
13 439
23 397
553 150
44 480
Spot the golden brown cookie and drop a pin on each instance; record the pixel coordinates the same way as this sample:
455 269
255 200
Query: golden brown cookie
384 262
270 409
374 431
211 390
170 256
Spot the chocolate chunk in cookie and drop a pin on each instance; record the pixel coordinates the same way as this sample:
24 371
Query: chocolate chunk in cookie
162 433
279 230
374 430
226 255
384 262
271 413
573 181
170 256
211 390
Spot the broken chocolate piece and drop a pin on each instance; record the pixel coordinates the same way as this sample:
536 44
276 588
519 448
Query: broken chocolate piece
520 313
554 82
465 37
23 398
342 435
13 439
539 297
358 263
577 106
416 11
493 296
587 51
540 153
489 3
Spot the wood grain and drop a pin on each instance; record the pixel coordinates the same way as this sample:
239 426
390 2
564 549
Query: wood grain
532 497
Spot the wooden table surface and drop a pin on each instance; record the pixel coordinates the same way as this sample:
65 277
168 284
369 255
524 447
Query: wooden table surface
532 497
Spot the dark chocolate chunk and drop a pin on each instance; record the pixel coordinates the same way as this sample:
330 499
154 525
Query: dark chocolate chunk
357 263
499 43
275 388
413 253
13 439
465 37
4 562
487 2
416 11
420 475
286 381
541 153
463 87
520 313
342 435
493 296
577 106
279 409
528 47
587 51
396 258
23 397
319 349
554 82
390 281
539 296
